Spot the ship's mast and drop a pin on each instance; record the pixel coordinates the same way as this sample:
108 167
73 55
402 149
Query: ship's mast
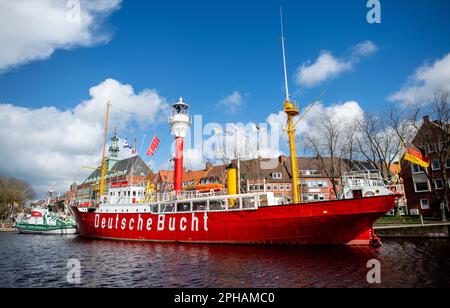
284 57
102 179
291 111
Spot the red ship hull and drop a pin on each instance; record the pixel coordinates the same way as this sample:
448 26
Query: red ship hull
332 222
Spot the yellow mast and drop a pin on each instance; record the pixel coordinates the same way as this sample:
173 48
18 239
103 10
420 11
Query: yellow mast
291 111
102 179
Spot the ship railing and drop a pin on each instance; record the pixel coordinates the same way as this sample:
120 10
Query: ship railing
85 203
173 196
363 178
225 203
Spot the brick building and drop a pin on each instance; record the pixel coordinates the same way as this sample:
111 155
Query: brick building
423 186
133 171
192 179
275 176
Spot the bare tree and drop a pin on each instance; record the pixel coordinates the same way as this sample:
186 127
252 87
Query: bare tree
378 141
333 144
433 137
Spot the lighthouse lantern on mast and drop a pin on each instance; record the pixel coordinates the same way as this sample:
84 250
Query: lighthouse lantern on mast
180 121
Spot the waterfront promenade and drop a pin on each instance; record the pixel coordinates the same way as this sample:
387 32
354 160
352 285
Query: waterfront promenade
411 230
7 227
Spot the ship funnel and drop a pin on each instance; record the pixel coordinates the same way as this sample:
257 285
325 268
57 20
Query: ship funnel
232 181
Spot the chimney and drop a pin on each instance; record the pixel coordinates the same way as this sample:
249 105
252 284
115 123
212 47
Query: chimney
426 119
282 159
208 166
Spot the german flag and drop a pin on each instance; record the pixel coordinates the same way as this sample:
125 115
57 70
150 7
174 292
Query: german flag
416 157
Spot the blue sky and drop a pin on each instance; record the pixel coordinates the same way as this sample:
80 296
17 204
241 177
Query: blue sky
206 50
203 50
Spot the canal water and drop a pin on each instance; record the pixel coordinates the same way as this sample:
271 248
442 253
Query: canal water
41 261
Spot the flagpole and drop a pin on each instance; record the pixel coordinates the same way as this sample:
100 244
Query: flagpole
396 180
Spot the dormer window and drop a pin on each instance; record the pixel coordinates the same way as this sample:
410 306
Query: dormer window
277 176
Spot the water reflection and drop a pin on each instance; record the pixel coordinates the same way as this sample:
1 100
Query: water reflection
41 261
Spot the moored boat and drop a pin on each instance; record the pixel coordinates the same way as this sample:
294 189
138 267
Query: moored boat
41 221
225 216
238 219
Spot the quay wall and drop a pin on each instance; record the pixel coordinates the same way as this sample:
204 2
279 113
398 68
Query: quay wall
433 231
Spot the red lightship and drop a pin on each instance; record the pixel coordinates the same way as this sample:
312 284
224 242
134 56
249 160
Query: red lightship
228 217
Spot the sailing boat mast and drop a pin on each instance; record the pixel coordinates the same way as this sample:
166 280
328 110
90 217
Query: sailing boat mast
102 179
291 111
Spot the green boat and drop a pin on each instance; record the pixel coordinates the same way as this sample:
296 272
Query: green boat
41 221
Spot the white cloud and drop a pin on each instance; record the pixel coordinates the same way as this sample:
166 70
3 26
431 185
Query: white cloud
32 30
47 144
364 49
143 107
424 81
222 143
194 159
327 66
344 113
242 139
232 103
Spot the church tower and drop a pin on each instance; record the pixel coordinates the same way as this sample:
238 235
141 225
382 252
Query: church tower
113 152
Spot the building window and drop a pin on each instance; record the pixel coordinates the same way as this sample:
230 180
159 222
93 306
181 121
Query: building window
448 163
432 148
416 169
288 186
414 212
309 172
277 175
269 187
435 165
281 187
316 184
425 204
324 184
275 187
421 187
314 197
439 184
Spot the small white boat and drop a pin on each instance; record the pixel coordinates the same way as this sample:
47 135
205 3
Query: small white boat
41 221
